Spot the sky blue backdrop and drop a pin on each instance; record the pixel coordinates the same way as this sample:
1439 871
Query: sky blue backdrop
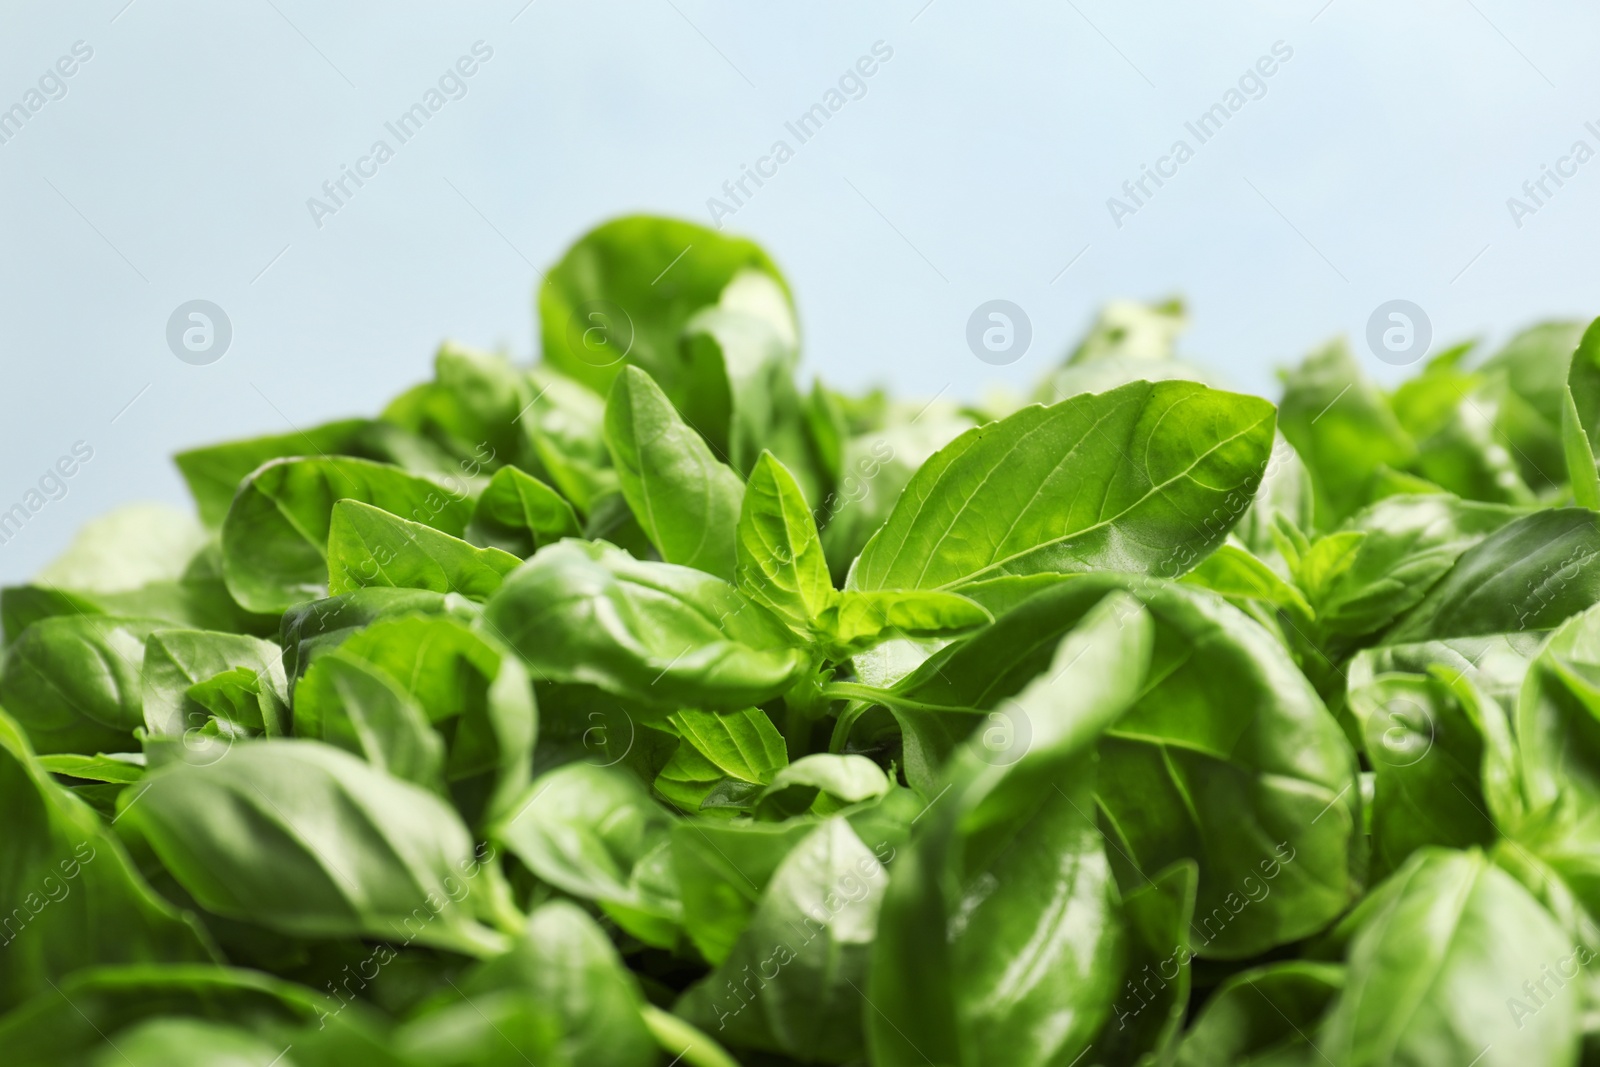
1376 164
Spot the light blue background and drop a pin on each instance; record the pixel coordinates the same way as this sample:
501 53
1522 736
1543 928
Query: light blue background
977 166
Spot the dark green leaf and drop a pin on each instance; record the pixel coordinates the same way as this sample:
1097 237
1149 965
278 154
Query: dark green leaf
1262 1017
1530 574
1342 428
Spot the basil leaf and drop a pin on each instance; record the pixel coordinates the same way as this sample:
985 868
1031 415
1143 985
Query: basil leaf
560 995
352 705
470 689
302 838
742 745
595 833
71 897
1343 429
1527 386
1428 755
1530 574
812 933
126 550
625 290
1433 967
275 538
779 559
1009 860
368 547
822 783
213 473
519 514
659 634
1402 546
1053 490
1263 1015
684 498
175 661
72 682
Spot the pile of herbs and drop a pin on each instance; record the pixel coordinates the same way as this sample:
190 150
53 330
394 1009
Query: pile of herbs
641 706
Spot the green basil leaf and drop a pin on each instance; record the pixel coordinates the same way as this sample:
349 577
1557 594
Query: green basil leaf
625 290
1009 860
1531 574
743 745
822 783
1405 544
73 1022
519 514
317 625
1228 724
779 559
71 897
1527 388
856 621
563 428
126 550
685 499
471 689
656 633
1433 971
560 995
352 705
101 768
1053 490
874 468
595 833
275 538
1343 430
469 409
175 661
1496 663
72 682
213 473
1428 755
1234 573
299 837
368 547
807 944
1152 1002
1263 1016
